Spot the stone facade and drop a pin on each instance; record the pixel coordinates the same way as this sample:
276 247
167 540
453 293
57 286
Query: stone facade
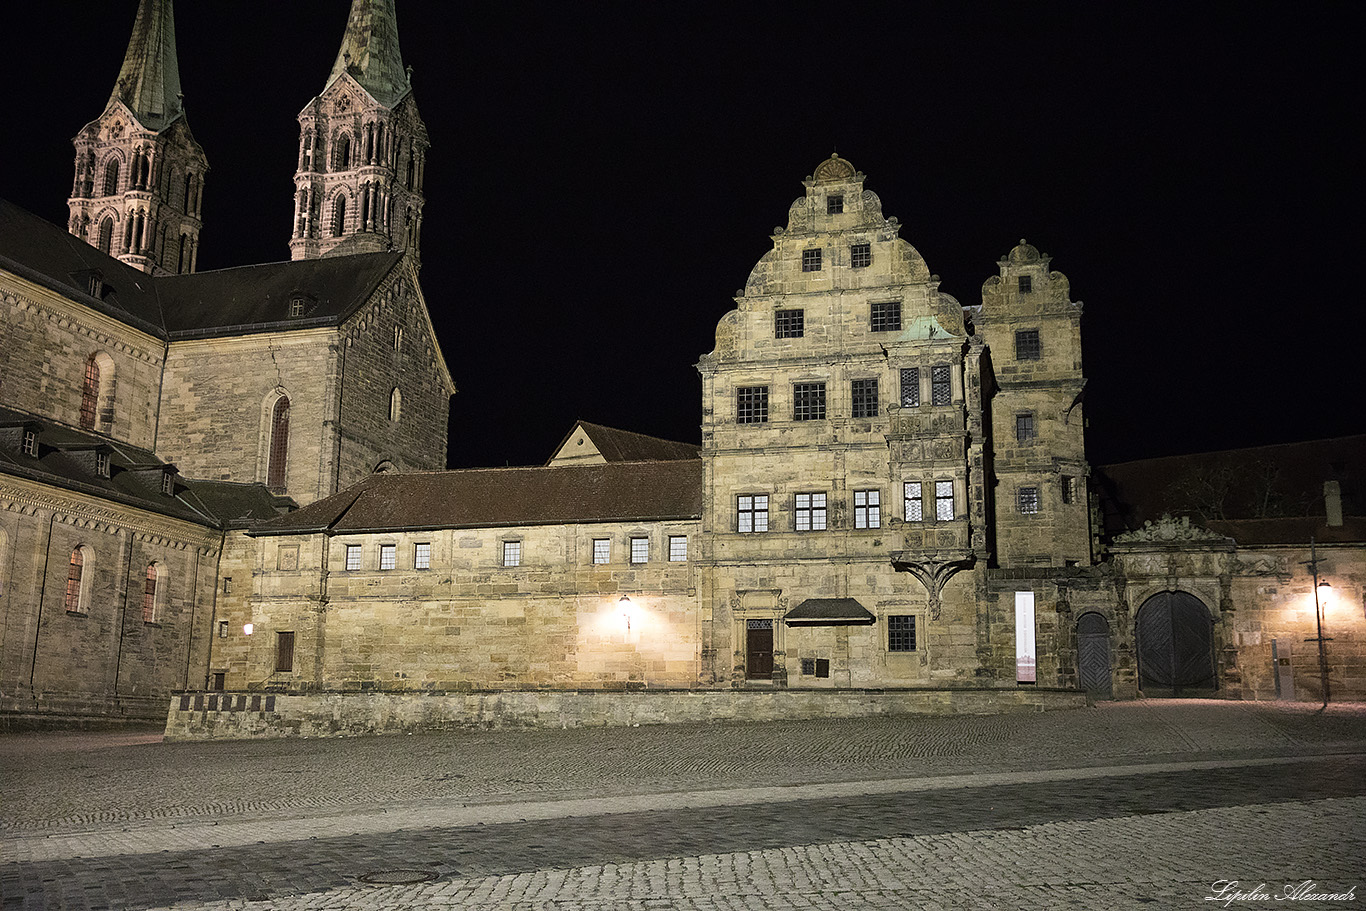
139 178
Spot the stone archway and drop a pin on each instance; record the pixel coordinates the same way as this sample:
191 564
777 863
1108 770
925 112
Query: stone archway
1174 635
1093 655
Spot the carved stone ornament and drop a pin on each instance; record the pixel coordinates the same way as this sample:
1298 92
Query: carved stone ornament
932 574
834 168
1168 530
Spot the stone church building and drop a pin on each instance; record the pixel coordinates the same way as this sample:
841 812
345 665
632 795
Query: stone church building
890 508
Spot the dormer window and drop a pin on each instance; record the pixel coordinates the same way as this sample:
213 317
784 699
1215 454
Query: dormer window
168 483
297 306
834 204
102 464
30 445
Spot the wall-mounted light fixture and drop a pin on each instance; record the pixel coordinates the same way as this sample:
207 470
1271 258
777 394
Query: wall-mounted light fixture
625 605
247 628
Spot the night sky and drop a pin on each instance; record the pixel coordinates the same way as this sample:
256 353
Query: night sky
603 177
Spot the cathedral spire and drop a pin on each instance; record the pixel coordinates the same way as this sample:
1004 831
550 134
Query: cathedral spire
369 51
149 81
139 171
362 148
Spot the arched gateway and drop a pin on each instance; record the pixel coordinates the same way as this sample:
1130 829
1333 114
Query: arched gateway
1174 635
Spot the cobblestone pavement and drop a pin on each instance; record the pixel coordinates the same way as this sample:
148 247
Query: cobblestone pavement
1122 806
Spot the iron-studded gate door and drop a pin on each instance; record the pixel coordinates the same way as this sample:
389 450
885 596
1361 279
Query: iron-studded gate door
1175 644
1093 654
759 649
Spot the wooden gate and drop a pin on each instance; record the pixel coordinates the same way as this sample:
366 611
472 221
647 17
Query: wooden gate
1093 654
1175 640
759 649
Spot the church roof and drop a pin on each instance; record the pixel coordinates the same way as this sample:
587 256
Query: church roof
369 51
67 459
45 254
247 298
504 497
149 80
224 302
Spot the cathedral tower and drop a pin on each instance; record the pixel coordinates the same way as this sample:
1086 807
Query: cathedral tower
139 172
362 148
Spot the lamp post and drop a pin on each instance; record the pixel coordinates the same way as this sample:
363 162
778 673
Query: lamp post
1322 590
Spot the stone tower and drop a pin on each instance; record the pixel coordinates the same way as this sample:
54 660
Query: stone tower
139 172
362 148
1032 328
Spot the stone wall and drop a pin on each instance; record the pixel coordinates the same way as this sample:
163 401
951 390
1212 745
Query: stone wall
468 621
47 342
227 716
105 657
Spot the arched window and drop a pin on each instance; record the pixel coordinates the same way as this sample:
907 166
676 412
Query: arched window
90 394
107 235
395 404
78 575
97 394
189 192
279 445
343 152
111 177
339 216
151 594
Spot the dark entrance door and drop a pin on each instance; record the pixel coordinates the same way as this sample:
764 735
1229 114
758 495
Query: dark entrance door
1175 645
759 649
1093 654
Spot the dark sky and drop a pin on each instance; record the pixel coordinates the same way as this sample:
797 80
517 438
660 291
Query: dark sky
604 176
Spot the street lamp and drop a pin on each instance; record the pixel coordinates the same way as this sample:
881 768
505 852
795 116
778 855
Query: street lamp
1322 591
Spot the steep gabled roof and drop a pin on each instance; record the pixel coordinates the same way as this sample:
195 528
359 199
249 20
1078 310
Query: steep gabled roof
623 445
504 497
43 253
250 298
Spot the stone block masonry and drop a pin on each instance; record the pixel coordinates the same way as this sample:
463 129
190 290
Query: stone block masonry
259 716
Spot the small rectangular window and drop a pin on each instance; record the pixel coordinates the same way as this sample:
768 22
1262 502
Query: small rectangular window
941 385
222 629
167 483
512 553
1026 284
834 204
602 550
811 260
810 512
640 550
422 555
284 652
220 681
752 512
751 405
867 509
808 402
30 443
915 503
865 398
678 548
1028 500
910 387
102 464
1027 345
822 667
901 633
789 323
808 667
388 556
886 316
353 557
943 500
1069 489
1024 427
860 255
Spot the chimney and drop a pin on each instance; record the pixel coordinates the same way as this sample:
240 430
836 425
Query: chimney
1332 501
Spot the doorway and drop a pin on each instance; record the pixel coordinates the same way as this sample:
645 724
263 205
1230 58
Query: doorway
1093 655
1175 641
759 649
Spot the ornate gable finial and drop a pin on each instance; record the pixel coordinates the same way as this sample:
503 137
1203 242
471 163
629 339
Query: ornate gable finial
834 168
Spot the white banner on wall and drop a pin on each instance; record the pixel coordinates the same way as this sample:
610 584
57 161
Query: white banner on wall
1024 638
